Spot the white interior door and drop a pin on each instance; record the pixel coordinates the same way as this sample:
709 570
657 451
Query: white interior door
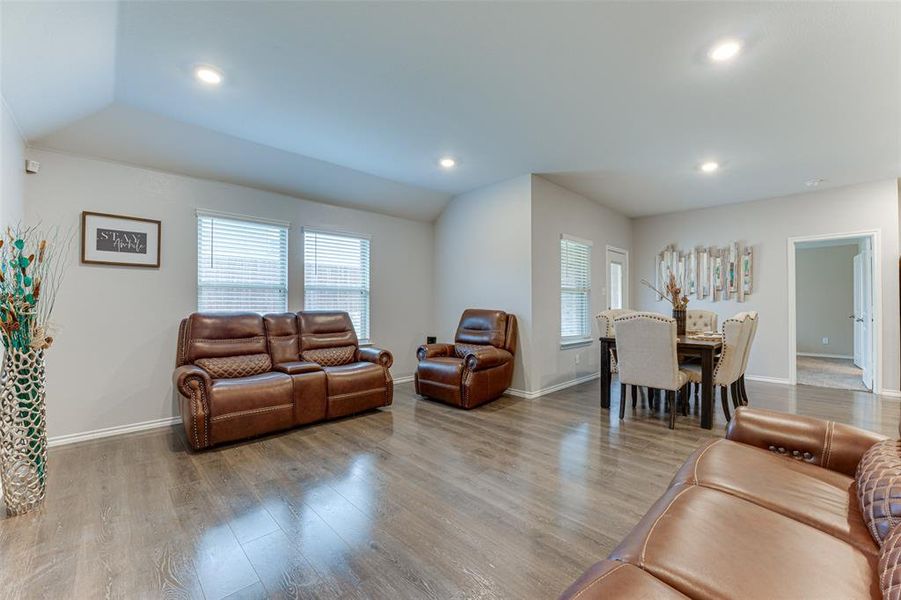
858 306
863 314
617 278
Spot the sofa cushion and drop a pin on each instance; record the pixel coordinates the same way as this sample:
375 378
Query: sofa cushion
879 488
331 357
890 566
354 378
356 387
215 335
283 337
230 367
614 579
258 393
707 543
804 492
325 329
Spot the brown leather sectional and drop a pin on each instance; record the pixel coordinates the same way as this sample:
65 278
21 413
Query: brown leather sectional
477 368
784 507
241 375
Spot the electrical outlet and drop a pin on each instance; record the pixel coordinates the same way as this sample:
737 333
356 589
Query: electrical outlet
825 341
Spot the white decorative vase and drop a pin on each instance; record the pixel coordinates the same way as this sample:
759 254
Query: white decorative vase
23 431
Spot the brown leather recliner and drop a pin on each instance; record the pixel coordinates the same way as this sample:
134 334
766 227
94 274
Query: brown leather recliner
785 507
477 368
241 375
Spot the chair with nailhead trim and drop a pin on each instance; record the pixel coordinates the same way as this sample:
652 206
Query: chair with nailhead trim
646 350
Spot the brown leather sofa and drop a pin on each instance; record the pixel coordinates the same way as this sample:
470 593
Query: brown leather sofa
242 374
784 507
477 368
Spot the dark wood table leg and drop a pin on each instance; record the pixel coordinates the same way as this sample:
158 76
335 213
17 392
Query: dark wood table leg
605 374
707 388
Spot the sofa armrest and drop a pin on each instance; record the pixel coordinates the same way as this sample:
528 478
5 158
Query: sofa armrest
297 367
188 378
431 350
486 357
828 444
376 355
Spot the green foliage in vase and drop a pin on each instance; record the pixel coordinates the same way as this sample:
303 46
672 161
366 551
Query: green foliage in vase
31 271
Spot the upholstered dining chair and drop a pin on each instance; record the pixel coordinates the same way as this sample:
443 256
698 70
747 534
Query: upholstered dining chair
742 392
700 320
606 329
728 369
646 351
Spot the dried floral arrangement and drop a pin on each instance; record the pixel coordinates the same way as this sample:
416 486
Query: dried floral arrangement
31 271
673 292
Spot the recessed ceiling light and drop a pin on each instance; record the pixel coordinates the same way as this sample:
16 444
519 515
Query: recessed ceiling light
724 50
447 162
208 75
710 166
814 182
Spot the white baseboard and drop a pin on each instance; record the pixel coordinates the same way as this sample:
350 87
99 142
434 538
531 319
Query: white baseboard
818 355
551 389
890 393
96 434
765 379
62 440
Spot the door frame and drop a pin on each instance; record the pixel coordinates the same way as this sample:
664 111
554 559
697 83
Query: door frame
876 326
626 291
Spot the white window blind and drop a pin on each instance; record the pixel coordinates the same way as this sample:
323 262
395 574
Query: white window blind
575 289
336 275
241 265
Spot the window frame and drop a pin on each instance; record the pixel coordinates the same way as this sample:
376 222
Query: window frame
285 227
363 337
585 337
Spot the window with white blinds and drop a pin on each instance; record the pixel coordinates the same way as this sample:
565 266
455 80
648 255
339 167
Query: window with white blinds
575 290
336 275
242 265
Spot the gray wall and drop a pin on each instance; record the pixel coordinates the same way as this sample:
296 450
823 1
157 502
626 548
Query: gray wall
555 211
12 169
825 297
112 361
483 252
767 225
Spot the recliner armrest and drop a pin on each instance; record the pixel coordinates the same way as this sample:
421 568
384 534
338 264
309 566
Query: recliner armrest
432 350
486 357
376 355
188 377
297 367
834 446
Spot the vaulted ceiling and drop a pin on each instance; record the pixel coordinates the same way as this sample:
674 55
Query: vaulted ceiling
354 103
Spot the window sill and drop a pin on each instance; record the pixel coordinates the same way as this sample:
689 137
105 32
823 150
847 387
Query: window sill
576 343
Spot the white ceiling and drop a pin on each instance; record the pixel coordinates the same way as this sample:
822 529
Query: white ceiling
615 101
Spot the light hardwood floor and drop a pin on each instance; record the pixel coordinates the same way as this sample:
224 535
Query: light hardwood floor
512 500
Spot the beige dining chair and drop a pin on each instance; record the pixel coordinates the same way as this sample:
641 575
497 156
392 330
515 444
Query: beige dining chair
728 369
742 392
606 329
646 352
700 320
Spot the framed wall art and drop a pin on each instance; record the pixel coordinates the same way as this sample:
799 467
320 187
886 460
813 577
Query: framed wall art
119 240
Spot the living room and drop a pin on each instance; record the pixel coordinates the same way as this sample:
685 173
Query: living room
449 236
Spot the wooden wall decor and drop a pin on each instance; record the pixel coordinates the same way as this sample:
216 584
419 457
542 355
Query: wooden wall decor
709 273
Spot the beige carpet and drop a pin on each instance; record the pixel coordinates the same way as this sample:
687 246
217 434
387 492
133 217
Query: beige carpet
830 372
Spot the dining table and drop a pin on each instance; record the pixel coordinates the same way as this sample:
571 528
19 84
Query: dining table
704 347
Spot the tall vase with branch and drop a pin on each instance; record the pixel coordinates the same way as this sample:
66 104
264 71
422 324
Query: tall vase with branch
673 294
31 271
